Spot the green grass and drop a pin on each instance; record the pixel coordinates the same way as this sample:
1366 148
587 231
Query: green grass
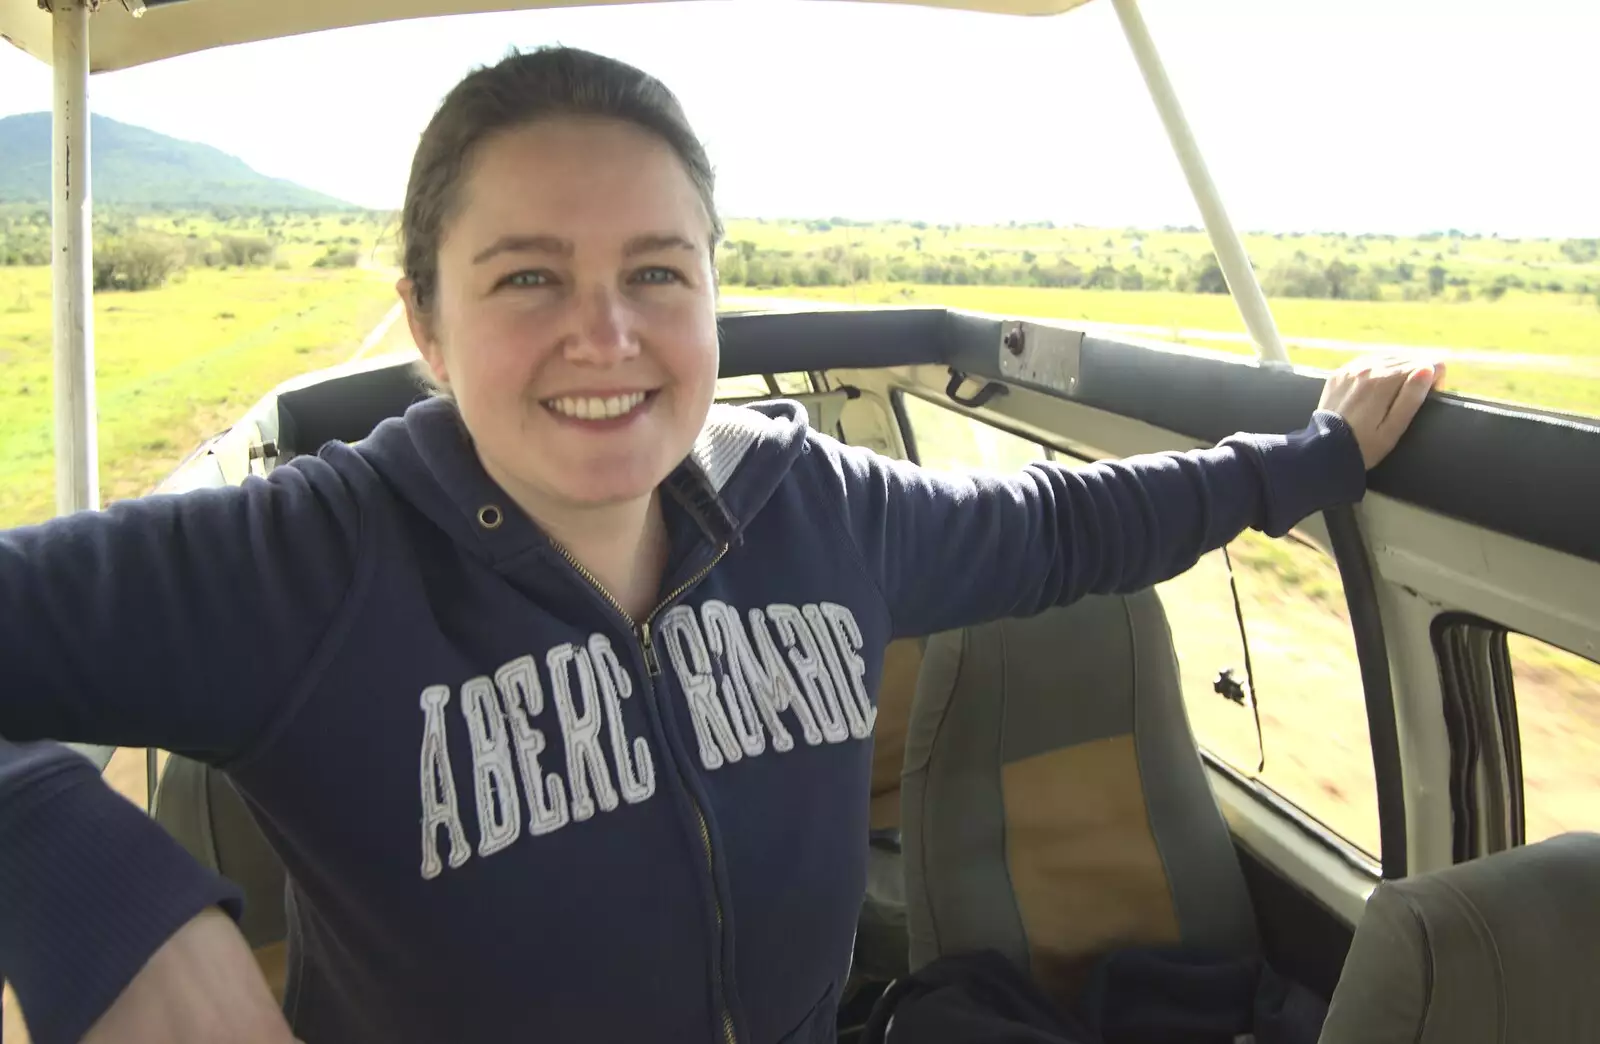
173 366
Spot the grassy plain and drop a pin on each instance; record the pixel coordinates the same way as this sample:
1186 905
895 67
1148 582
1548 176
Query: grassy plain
178 363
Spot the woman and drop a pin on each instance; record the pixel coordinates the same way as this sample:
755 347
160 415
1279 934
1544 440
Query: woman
556 694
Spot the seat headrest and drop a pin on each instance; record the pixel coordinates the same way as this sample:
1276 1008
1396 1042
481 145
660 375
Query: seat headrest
1497 950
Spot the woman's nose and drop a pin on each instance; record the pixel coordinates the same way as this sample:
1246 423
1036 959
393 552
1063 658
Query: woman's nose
605 332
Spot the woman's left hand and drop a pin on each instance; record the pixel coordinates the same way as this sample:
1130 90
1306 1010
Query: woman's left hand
1379 396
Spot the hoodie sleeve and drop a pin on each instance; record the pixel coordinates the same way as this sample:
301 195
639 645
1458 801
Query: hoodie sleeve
178 622
955 549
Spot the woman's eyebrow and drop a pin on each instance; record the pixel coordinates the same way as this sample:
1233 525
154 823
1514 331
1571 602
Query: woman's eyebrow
646 243
524 244
653 241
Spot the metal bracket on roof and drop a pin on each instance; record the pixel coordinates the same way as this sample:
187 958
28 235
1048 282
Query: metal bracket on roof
978 398
1047 356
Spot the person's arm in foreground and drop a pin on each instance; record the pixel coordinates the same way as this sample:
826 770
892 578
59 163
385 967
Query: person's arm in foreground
952 550
177 622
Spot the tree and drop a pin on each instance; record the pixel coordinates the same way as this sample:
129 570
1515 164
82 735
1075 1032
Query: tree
1581 251
1209 278
1436 276
1340 275
1102 278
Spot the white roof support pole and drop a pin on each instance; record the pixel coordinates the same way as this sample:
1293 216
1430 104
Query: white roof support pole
1231 256
77 455
72 254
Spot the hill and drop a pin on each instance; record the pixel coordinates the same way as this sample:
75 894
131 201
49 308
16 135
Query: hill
133 165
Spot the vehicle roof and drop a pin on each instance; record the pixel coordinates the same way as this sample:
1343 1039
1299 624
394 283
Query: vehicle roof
119 40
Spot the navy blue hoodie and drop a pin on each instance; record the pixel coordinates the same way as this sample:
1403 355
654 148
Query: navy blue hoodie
509 812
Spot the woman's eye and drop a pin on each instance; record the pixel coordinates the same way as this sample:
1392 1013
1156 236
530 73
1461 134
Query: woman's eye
526 279
656 274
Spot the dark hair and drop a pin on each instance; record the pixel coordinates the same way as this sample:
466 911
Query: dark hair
519 89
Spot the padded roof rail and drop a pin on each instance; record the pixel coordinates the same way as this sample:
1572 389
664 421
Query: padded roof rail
344 408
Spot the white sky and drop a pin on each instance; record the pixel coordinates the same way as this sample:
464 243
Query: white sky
1360 115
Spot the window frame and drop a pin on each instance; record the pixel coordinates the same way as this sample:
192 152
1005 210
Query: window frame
1478 768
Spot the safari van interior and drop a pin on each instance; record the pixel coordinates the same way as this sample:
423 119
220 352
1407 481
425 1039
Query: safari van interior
1329 750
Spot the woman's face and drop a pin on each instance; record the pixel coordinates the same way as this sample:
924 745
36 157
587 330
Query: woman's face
575 313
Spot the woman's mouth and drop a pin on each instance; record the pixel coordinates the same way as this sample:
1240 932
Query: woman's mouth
599 409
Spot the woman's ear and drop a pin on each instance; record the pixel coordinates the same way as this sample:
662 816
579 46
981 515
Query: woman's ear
420 320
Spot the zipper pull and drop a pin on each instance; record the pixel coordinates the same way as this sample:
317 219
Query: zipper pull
651 664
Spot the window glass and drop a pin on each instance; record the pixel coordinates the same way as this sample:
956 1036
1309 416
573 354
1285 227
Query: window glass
755 384
1205 634
741 387
953 441
126 773
1308 679
1558 721
794 383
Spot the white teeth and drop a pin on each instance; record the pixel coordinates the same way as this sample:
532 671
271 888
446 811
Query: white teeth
596 409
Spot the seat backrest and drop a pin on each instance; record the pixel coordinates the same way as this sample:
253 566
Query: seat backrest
1055 805
200 808
345 408
1496 950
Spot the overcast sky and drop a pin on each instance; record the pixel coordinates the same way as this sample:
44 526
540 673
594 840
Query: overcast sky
1360 115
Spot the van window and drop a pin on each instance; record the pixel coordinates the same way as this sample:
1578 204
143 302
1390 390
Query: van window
1558 723
754 385
948 440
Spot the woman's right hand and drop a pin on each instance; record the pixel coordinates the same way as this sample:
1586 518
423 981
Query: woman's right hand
202 986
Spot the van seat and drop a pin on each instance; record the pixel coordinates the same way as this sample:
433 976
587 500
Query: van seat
200 808
1496 950
1055 804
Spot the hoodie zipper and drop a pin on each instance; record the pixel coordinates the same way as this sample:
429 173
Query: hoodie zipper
641 633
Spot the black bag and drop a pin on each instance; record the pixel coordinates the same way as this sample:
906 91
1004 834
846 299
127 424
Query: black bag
1133 996
969 998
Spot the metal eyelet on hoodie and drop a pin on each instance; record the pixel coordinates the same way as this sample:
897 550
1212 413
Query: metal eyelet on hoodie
490 516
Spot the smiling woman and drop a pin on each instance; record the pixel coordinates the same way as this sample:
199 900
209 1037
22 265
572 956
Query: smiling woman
551 233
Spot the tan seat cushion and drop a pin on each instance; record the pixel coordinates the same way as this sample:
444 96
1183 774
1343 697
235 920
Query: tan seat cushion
274 961
901 662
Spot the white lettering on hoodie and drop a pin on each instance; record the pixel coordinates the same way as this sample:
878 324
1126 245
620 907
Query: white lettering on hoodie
740 674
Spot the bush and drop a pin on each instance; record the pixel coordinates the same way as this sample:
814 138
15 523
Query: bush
247 251
143 261
338 259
